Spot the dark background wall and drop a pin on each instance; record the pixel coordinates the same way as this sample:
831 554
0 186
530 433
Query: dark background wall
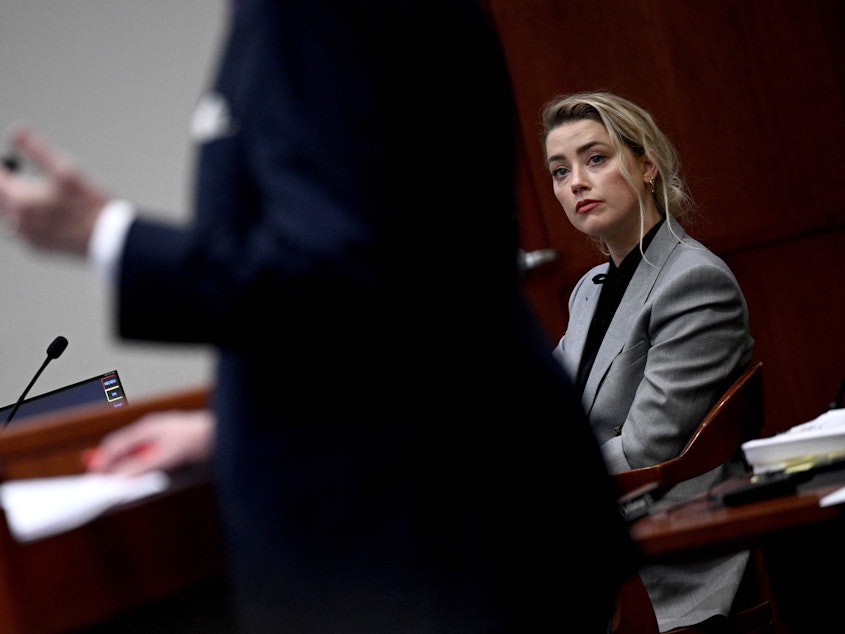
751 93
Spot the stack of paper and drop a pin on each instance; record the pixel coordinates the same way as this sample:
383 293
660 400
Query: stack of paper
817 441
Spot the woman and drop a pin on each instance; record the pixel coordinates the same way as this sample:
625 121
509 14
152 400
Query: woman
656 333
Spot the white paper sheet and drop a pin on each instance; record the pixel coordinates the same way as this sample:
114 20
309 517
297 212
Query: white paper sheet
39 507
836 497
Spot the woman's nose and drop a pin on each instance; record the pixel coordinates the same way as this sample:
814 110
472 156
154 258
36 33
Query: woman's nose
579 180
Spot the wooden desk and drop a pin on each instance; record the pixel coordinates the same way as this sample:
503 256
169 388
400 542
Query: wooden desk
705 524
801 543
133 556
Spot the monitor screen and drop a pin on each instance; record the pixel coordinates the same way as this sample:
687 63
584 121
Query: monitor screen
104 388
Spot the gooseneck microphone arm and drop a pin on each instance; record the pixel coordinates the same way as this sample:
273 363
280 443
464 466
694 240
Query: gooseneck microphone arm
54 351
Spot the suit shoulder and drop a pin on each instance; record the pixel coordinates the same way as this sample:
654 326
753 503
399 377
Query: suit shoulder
693 253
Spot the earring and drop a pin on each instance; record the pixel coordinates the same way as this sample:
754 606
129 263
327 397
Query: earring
651 182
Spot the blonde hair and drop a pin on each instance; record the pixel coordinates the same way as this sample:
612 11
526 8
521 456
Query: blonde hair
632 127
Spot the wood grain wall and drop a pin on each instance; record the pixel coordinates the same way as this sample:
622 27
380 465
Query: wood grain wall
752 94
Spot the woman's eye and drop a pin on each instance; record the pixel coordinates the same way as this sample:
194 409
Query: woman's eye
560 172
596 159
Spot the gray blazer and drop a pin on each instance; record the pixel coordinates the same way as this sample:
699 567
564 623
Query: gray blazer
680 336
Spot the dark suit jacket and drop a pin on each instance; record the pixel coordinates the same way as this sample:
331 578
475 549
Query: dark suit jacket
389 413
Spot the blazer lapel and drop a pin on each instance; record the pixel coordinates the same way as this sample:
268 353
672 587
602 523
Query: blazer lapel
576 334
635 296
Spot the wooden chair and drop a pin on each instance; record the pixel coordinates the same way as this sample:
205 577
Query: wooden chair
735 418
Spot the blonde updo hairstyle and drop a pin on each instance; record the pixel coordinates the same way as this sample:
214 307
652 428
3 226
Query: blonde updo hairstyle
632 127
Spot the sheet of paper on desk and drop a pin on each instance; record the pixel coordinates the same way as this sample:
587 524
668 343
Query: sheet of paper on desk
837 497
39 507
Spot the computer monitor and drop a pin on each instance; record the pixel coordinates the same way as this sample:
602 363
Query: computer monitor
103 388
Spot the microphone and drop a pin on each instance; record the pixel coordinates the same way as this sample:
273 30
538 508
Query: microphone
54 351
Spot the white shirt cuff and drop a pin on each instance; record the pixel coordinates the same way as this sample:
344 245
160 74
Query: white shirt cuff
106 244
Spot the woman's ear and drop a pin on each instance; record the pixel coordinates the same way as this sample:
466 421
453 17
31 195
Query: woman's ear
649 170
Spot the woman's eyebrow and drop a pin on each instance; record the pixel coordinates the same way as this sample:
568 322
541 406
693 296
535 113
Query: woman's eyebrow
578 151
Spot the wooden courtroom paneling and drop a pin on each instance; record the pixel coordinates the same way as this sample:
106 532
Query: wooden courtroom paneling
797 304
751 93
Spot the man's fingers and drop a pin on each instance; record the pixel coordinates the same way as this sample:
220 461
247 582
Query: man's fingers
49 160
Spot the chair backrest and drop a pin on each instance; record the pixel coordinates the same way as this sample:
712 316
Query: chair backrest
735 418
634 613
